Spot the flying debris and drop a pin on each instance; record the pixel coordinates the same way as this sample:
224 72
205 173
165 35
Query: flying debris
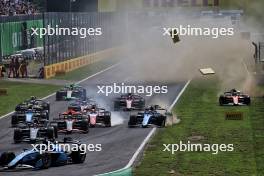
174 35
207 71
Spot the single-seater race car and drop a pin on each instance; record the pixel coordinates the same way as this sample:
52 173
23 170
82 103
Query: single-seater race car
129 102
80 105
33 103
153 115
29 115
98 115
71 92
34 132
71 121
34 159
234 97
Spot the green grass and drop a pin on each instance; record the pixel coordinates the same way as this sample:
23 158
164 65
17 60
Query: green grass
201 115
18 92
88 70
257 123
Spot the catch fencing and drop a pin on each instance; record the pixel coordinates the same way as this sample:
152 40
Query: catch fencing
15 33
60 48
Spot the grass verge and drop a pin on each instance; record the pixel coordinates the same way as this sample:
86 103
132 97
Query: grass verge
18 92
201 115
88 70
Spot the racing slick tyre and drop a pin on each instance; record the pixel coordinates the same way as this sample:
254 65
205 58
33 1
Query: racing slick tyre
78 157
17 136
59 96
107 121
85 126
51 133
116 106
247 101
14 121
6 158
132 121
162 122
55 131
45 160
17 108
221 100
142 105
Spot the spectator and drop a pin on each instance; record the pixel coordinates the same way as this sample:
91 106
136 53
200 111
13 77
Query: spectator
23 69
11 69
17 67
2 71
16 7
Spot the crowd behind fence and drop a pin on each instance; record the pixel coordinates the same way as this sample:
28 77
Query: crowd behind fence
17 7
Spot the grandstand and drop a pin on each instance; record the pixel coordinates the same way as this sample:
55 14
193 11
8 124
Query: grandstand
17 7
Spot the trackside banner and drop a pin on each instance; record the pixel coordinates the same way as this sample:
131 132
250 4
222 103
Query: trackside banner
16 36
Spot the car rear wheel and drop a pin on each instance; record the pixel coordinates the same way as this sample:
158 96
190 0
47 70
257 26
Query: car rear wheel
247 101
221 101
17 136
14 121
132 121
78 157
85 126
116 106
51 133
45 160
107 121
163 122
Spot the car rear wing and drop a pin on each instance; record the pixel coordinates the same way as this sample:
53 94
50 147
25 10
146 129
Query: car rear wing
74 116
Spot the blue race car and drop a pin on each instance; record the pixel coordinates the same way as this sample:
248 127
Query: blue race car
154 115
36 160
29 116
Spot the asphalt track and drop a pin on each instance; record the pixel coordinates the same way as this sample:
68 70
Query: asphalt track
119 142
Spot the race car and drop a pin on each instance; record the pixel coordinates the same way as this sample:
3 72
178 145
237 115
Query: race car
29 115
34 132
234 97
129 102
71 92
153 115
33 103
36 159
98 115
80 105
71 121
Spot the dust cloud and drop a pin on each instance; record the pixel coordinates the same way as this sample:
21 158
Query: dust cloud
150 56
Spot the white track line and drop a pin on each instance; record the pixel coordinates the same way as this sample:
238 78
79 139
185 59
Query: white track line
179 95
97 73
144 142
10 113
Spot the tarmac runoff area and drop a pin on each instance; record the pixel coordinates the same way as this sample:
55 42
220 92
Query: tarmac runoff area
119 143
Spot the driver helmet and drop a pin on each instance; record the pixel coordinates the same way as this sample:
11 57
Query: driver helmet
151 108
